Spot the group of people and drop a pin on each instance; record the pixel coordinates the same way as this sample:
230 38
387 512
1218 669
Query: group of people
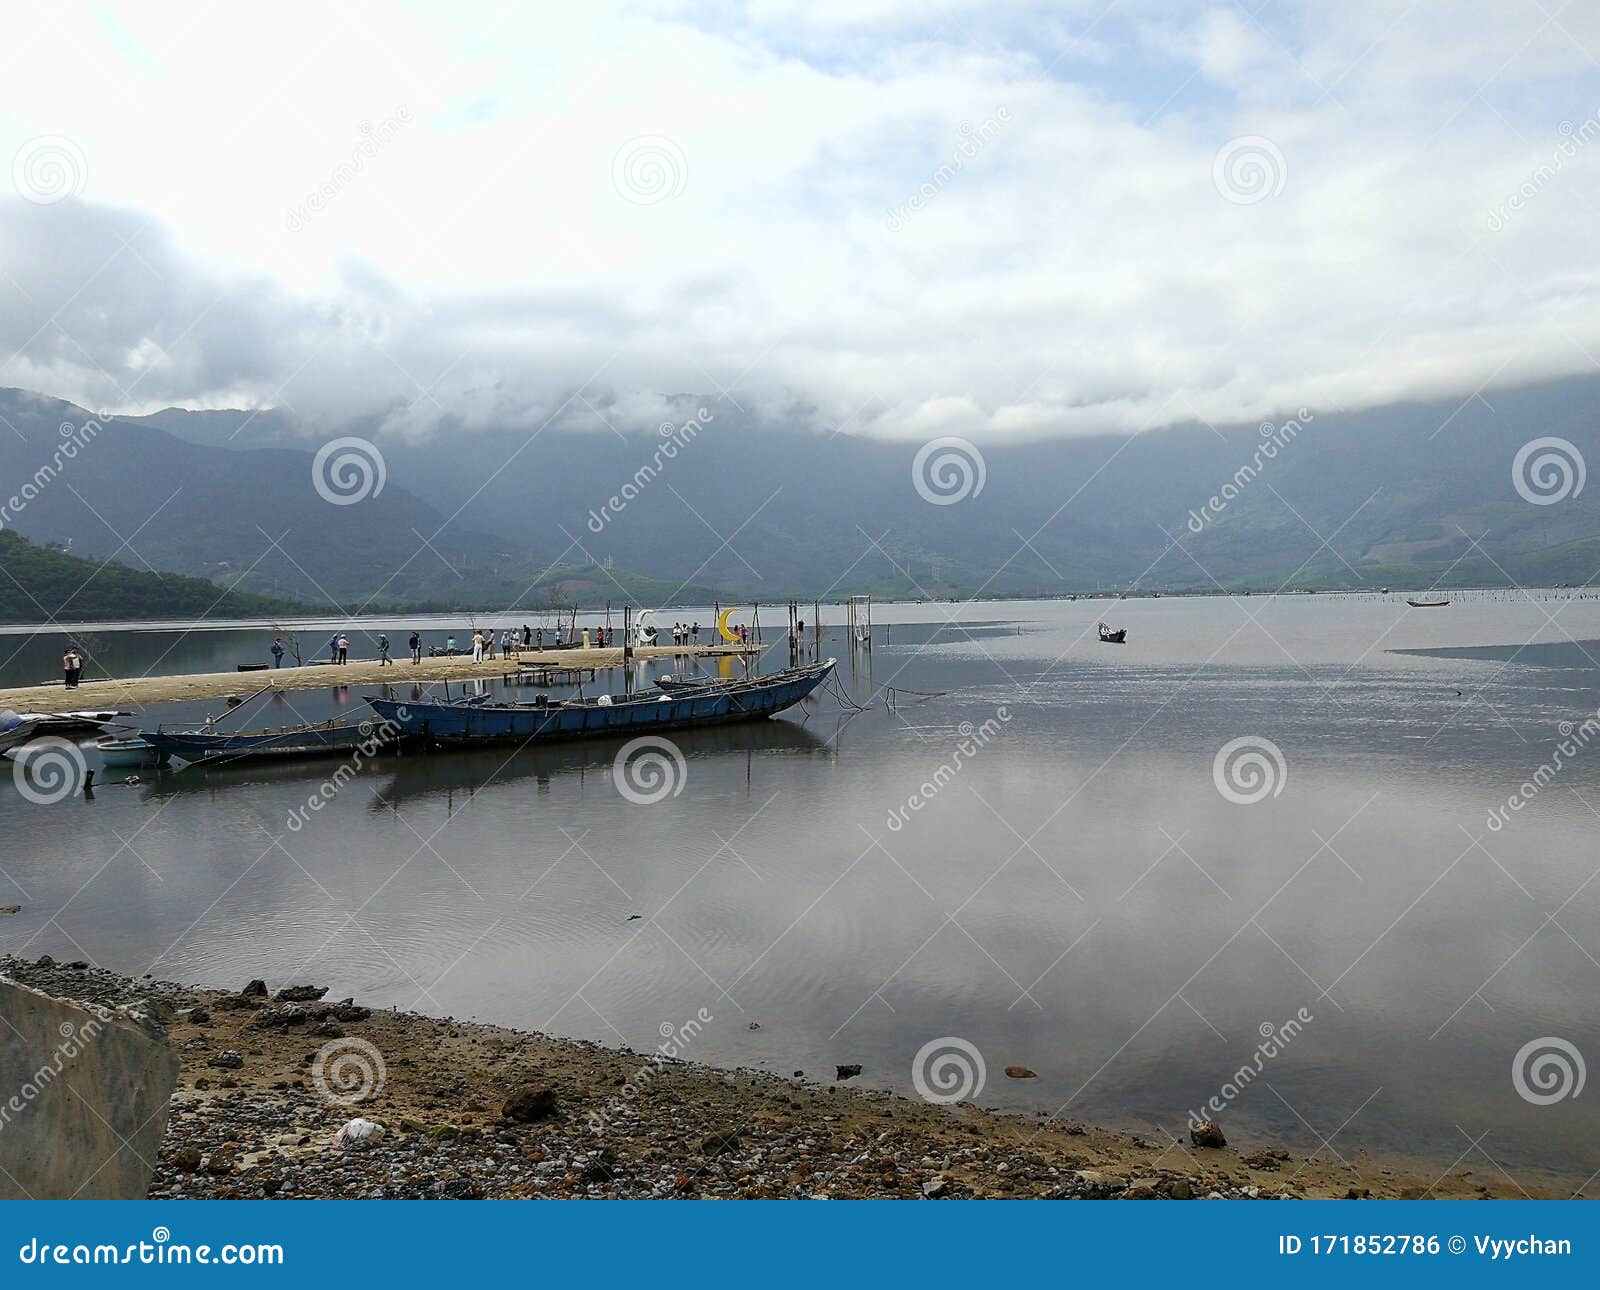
339 650
72 667
485 644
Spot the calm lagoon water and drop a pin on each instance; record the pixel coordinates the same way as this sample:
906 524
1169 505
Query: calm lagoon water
1076 895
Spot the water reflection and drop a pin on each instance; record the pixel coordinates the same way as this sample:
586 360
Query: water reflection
1077 897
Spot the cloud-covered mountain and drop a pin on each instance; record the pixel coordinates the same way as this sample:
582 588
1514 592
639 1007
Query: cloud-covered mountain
1414 492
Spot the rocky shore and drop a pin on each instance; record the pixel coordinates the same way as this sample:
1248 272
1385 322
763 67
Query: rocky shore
285 1093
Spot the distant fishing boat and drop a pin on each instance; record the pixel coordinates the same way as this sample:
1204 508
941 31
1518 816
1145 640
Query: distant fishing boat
541 720
1427 604
1118 637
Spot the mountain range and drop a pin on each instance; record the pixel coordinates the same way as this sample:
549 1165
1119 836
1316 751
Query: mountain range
1423 494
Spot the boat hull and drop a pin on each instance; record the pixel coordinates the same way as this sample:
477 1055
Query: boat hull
441 723
310 741
130 754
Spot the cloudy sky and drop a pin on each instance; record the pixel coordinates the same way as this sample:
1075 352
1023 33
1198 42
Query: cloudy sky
898 218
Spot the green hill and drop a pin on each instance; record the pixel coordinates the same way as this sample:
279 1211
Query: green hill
43 583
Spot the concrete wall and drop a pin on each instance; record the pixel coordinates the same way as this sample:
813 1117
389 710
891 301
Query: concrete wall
83 1097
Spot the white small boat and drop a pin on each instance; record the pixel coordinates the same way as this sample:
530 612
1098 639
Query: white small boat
16 729
132 754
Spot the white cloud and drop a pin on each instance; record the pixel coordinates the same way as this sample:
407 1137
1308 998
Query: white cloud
1079 271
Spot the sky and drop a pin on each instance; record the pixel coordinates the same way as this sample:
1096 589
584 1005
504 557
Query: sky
895 219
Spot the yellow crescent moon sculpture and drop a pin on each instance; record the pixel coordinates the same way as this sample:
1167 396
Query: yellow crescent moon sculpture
728 634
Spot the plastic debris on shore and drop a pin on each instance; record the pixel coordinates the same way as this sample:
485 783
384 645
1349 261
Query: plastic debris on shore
358 1134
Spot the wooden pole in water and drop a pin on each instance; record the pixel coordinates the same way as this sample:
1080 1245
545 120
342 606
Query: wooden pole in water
627 634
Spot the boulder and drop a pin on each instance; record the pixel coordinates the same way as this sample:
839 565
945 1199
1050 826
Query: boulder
229 1059
1207 1133
847 1072
529 1103
301 993
95 1083
257 989
1020 1072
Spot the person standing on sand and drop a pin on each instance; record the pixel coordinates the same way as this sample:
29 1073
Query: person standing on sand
527 636
277 651
538 639
416 647
695 632
477 647
333 648
344 649
69 668
383 651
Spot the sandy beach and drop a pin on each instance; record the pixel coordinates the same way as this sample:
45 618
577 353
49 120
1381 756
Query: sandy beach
142 690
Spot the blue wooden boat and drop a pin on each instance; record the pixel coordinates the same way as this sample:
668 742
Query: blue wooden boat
335 738
454 723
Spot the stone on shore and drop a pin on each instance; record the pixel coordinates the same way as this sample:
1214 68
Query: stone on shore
1207 1133
96 1082
529 1103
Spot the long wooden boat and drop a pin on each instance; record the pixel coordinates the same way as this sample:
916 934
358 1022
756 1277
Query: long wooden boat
457 724
1427 604
334 738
